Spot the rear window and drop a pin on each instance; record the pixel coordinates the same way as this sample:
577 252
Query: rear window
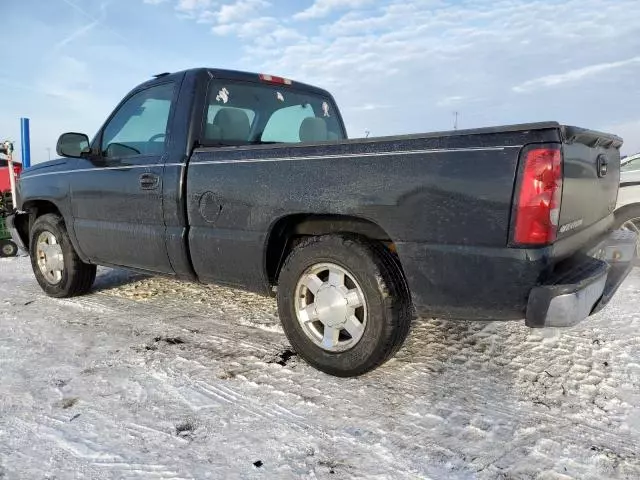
252 113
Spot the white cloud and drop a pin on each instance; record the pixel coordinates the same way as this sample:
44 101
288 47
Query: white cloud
241 17
322 8
153 2
573 75
191 5
192 9
250 28
240 11
423 57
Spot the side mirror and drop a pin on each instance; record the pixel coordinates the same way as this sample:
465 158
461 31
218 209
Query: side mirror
73 145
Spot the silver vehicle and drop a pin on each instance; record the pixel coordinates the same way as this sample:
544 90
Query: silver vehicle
628 207
631 162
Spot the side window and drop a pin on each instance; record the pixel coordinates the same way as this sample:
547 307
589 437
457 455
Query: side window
633 165
284 124
139 127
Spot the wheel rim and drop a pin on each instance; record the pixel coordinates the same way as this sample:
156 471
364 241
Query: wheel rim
633 225
7 249
49 257
331 307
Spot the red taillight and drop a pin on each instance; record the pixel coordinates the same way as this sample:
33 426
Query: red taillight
276 80
538 209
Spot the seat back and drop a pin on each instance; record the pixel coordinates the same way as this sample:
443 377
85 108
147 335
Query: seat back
229 124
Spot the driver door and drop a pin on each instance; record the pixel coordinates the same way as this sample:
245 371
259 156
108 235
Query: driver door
117 194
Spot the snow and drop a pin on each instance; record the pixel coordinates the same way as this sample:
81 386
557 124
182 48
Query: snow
150 378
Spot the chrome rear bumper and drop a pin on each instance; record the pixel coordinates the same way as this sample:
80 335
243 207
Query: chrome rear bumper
585 286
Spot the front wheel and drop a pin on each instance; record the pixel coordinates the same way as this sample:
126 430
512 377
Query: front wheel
54 261
344 304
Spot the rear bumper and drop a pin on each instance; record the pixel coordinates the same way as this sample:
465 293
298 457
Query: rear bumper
584 285
13 231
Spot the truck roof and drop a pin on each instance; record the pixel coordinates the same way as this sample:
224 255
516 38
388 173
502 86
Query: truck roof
237 75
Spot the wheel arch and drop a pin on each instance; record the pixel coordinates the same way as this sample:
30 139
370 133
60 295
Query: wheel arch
288 230
31 210
622 212
35 208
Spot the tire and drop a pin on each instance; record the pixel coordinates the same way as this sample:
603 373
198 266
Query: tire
8 248
629 218
74 277
374 274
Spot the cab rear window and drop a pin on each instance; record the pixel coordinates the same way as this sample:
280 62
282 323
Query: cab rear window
243 113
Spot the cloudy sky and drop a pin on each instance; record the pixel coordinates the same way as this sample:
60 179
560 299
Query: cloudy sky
394 66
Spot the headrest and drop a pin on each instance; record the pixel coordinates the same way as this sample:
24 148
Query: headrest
313 129
229 124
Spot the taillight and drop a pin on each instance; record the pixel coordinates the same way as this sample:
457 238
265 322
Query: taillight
276 80
538 209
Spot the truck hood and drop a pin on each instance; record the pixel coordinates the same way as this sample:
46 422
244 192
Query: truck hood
51 165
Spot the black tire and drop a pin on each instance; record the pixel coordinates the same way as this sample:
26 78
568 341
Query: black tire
8 248
77 276
626 214
387 296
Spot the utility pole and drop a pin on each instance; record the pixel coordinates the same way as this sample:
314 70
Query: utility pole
49 153
455 121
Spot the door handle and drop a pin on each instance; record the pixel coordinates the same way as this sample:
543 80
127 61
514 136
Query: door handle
149 181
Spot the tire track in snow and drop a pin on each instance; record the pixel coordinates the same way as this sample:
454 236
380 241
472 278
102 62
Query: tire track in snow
140 470
92 453
171 314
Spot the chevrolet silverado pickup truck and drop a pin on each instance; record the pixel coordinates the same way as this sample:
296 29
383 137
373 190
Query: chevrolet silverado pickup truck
249 180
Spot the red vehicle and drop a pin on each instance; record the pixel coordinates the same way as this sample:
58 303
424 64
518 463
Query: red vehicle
7 247
5 185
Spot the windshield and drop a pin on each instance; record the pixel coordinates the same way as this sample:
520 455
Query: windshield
252 113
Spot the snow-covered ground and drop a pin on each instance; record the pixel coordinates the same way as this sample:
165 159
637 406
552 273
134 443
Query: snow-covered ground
156 379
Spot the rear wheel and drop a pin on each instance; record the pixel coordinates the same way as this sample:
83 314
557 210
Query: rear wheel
344 304
54 261
8 248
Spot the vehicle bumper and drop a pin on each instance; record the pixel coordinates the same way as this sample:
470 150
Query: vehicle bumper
13 231
584 285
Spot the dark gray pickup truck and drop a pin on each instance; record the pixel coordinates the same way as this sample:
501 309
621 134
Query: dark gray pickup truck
249 180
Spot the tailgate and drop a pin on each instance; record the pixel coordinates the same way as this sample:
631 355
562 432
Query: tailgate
591 171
